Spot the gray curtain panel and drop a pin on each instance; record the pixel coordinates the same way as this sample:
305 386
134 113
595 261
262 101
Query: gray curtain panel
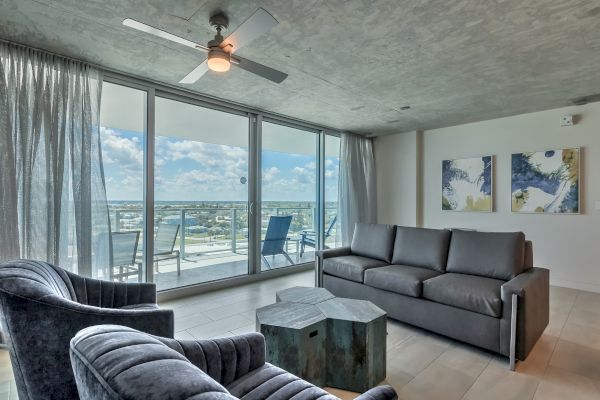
357 190
52 199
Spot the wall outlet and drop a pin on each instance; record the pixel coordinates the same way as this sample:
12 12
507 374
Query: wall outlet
566 120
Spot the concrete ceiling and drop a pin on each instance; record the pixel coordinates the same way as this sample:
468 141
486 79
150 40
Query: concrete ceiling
352 65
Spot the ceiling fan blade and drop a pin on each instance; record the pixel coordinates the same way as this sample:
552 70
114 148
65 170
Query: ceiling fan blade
196 73
257 24
140 26
259 69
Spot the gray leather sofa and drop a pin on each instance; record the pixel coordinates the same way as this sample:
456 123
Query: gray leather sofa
43 307
115 362
477 287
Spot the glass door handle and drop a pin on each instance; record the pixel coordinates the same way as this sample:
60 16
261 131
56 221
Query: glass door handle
252 208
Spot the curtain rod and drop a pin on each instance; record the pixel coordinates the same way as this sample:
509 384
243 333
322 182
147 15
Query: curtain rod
171 87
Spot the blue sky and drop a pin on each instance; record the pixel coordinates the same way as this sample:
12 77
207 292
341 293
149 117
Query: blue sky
189 170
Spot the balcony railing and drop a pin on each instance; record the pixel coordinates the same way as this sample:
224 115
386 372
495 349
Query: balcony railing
206 230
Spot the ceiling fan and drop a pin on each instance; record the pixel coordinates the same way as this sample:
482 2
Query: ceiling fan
221 50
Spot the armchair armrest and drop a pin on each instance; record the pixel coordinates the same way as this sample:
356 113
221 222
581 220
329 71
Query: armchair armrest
325 254
107 294
384 392
225 359
154 321
532 291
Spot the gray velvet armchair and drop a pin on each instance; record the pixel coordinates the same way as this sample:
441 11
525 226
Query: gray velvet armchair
115 362
43 307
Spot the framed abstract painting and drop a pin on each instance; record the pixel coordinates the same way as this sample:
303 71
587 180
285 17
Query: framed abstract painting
546 182
467 184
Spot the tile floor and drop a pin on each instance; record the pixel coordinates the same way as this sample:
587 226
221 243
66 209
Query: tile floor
565 363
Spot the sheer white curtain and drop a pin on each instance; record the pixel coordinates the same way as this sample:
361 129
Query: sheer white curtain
52 197
357 190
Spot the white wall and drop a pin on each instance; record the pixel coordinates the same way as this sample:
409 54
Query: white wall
396 163
569 245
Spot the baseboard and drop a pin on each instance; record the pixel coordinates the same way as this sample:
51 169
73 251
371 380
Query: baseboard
586 286
191 290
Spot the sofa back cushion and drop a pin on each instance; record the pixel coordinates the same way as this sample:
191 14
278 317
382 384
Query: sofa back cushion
420 247
498 255
373 241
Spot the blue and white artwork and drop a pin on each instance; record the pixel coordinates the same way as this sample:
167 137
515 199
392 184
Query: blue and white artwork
467 184
546 182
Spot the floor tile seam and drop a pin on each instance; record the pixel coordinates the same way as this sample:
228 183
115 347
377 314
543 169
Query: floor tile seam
421 371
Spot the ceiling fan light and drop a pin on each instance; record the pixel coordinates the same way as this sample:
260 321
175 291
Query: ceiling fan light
218 60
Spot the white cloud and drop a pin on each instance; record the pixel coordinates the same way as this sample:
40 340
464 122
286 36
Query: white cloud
123 152
214 169
270 174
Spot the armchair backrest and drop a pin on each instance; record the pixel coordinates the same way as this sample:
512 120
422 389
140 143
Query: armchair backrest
106 367
35 279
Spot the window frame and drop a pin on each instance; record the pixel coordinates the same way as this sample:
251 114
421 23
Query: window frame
255 117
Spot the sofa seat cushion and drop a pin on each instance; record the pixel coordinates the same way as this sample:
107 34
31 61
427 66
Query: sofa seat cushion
270 382
350 267
400 279
469 292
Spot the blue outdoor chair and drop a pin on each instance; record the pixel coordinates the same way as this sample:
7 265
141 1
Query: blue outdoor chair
309 238
275 238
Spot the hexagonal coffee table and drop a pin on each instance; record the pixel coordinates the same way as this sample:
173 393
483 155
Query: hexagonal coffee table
327 340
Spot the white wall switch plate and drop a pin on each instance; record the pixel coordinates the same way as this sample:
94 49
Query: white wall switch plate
597 206
566 120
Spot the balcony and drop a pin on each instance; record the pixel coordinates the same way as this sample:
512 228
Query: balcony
213 243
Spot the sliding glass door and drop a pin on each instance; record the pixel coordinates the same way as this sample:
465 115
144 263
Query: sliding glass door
122 136
200 194
216 192
289 196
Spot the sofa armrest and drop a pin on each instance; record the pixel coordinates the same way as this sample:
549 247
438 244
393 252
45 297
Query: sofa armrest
384 392
224 359
337 252
325 254
532 289
107 294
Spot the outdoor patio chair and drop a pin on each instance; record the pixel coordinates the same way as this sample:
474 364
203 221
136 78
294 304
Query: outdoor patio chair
164 245
275 238
123 250
309 237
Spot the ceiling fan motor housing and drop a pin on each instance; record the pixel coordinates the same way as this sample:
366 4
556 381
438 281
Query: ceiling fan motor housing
218 59
219 21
